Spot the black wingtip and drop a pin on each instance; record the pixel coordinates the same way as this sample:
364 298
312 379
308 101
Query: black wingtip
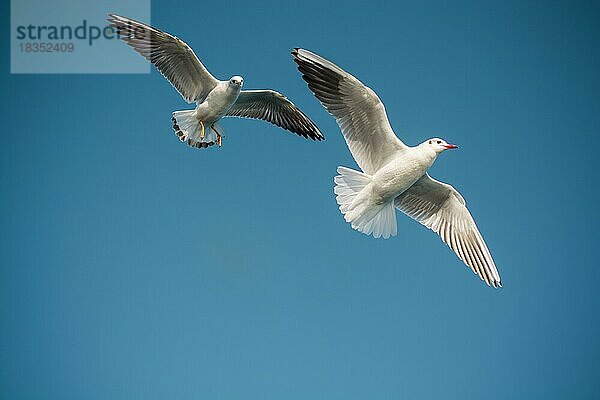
296 54
496 284
112 17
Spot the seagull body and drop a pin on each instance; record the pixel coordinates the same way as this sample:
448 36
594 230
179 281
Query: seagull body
393 175
216 105
218 102
214 98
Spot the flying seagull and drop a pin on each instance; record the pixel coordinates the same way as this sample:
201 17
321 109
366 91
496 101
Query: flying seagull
214 99
393 175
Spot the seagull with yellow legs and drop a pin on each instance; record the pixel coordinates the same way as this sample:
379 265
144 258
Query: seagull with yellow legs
214 98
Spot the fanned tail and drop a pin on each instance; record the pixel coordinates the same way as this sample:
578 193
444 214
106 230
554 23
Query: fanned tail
188 128
355 203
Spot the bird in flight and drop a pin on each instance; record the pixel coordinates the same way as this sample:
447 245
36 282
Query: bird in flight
214 99
393 175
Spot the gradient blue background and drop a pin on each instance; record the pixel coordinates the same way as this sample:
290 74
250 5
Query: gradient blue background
134 267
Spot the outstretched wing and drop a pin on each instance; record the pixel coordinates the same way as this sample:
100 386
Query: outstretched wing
442 209
356 108
275 108
171 56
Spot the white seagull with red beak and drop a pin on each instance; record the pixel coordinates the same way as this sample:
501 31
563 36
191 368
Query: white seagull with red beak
393 175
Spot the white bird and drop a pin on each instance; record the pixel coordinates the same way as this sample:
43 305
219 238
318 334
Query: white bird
214 98
394 174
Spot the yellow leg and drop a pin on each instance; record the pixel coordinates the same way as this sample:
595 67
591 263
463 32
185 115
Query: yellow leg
219 137
201 130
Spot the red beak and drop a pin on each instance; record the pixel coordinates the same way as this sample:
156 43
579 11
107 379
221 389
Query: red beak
451 146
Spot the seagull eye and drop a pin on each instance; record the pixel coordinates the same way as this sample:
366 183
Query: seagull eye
439 142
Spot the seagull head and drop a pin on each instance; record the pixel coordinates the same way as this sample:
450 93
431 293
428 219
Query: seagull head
439 145
236 81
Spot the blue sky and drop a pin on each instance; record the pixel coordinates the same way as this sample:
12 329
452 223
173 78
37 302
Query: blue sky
132 266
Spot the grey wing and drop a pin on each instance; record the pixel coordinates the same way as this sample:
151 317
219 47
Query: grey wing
275 108
440 207
171 56
357 109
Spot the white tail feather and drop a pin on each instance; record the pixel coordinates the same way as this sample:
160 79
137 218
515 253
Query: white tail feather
188 128
355 203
